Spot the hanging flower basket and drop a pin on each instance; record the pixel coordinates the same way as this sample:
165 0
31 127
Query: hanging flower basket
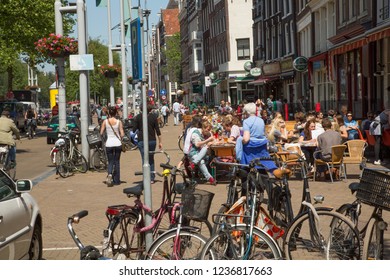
110 71
57 46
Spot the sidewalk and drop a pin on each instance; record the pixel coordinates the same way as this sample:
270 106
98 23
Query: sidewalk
59 198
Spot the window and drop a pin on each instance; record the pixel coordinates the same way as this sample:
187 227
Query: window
198 55
384 11
243 49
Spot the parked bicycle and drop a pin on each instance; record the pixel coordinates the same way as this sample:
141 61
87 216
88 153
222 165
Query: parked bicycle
373 189
125 234
68 157
238 236
315 232
99 160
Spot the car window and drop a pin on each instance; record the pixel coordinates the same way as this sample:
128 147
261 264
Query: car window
7 190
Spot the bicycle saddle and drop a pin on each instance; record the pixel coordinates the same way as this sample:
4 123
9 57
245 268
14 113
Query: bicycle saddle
136 190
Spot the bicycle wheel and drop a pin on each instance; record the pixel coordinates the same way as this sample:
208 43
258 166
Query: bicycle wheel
279 205
234 244
373 241
180 142
334 237
219 219
63 166
189 246
124 242
79 161
99 160
204 227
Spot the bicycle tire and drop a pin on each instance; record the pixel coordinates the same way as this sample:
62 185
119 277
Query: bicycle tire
204 226
373 241
79 161
347 210
340 242
219 219
11 170
98 160
124 242
180 142
63 165
191 245
220 247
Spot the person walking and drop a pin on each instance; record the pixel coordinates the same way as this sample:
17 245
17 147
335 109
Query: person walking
153 131
176 112
165 113
115 133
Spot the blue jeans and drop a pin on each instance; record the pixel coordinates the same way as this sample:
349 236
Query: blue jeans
198 159
152 148
114 168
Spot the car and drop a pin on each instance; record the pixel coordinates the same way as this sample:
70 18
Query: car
72 123
20 220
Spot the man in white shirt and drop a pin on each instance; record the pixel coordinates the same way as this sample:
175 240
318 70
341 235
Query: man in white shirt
176 112
164 112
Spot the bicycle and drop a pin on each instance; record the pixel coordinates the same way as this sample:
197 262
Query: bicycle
180 141
30 123
238 237
373 190
8 166
68 157
99 159
315 232
125 234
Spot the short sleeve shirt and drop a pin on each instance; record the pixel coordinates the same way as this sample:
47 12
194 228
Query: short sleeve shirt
255 126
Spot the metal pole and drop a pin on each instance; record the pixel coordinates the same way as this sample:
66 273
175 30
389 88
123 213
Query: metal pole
146 166
110 58
60 70
124 64
84 95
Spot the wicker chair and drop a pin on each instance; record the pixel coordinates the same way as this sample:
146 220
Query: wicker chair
335 162
355 153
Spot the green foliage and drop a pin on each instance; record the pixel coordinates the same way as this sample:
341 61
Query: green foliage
172 54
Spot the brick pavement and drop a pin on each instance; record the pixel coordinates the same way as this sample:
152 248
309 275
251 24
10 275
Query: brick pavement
59 198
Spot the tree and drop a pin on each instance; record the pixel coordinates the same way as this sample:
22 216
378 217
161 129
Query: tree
172 54
23 22
98 84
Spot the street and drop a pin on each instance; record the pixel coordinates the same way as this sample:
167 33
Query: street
59 198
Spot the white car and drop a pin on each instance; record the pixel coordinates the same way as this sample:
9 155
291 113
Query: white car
20 221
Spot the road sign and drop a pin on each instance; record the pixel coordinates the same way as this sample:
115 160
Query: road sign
163 92
163 97
150 93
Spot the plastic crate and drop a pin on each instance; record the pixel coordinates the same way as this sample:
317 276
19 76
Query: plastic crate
374 189
196 203
94 139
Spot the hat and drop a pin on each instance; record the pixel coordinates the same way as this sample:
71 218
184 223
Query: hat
5 113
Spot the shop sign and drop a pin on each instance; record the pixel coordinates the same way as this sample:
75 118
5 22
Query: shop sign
255 72
300 64
271 68
286 64
248 66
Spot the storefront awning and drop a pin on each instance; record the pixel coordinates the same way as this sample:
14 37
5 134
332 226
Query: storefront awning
259 81
215 83
244 79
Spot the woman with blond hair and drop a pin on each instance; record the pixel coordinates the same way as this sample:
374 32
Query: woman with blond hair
278 133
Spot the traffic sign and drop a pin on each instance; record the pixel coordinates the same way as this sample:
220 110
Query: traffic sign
163 92
163 97
150 93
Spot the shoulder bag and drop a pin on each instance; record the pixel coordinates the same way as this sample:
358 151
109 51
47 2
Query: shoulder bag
123 144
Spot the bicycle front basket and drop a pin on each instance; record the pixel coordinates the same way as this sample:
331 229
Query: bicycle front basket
374 188
94 139
196 203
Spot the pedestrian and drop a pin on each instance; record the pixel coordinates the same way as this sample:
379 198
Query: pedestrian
381 122
165 113
154 133
115 133
54 110
176 112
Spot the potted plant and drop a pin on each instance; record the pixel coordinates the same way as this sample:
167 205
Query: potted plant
57 46
110 71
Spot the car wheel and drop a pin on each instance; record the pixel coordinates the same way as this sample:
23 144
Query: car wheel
35 251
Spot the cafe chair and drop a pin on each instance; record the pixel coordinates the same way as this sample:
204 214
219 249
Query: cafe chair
355 152
336 162
290 161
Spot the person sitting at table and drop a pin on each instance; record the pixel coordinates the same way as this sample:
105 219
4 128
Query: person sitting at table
232 127
325 141
253 143
341 127
352 127
278 133
307 142
200 140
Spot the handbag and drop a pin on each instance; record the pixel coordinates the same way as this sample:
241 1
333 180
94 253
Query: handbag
124 149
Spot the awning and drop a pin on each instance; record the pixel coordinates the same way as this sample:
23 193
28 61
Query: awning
264 79
318 57
378 35
215 83
244 79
